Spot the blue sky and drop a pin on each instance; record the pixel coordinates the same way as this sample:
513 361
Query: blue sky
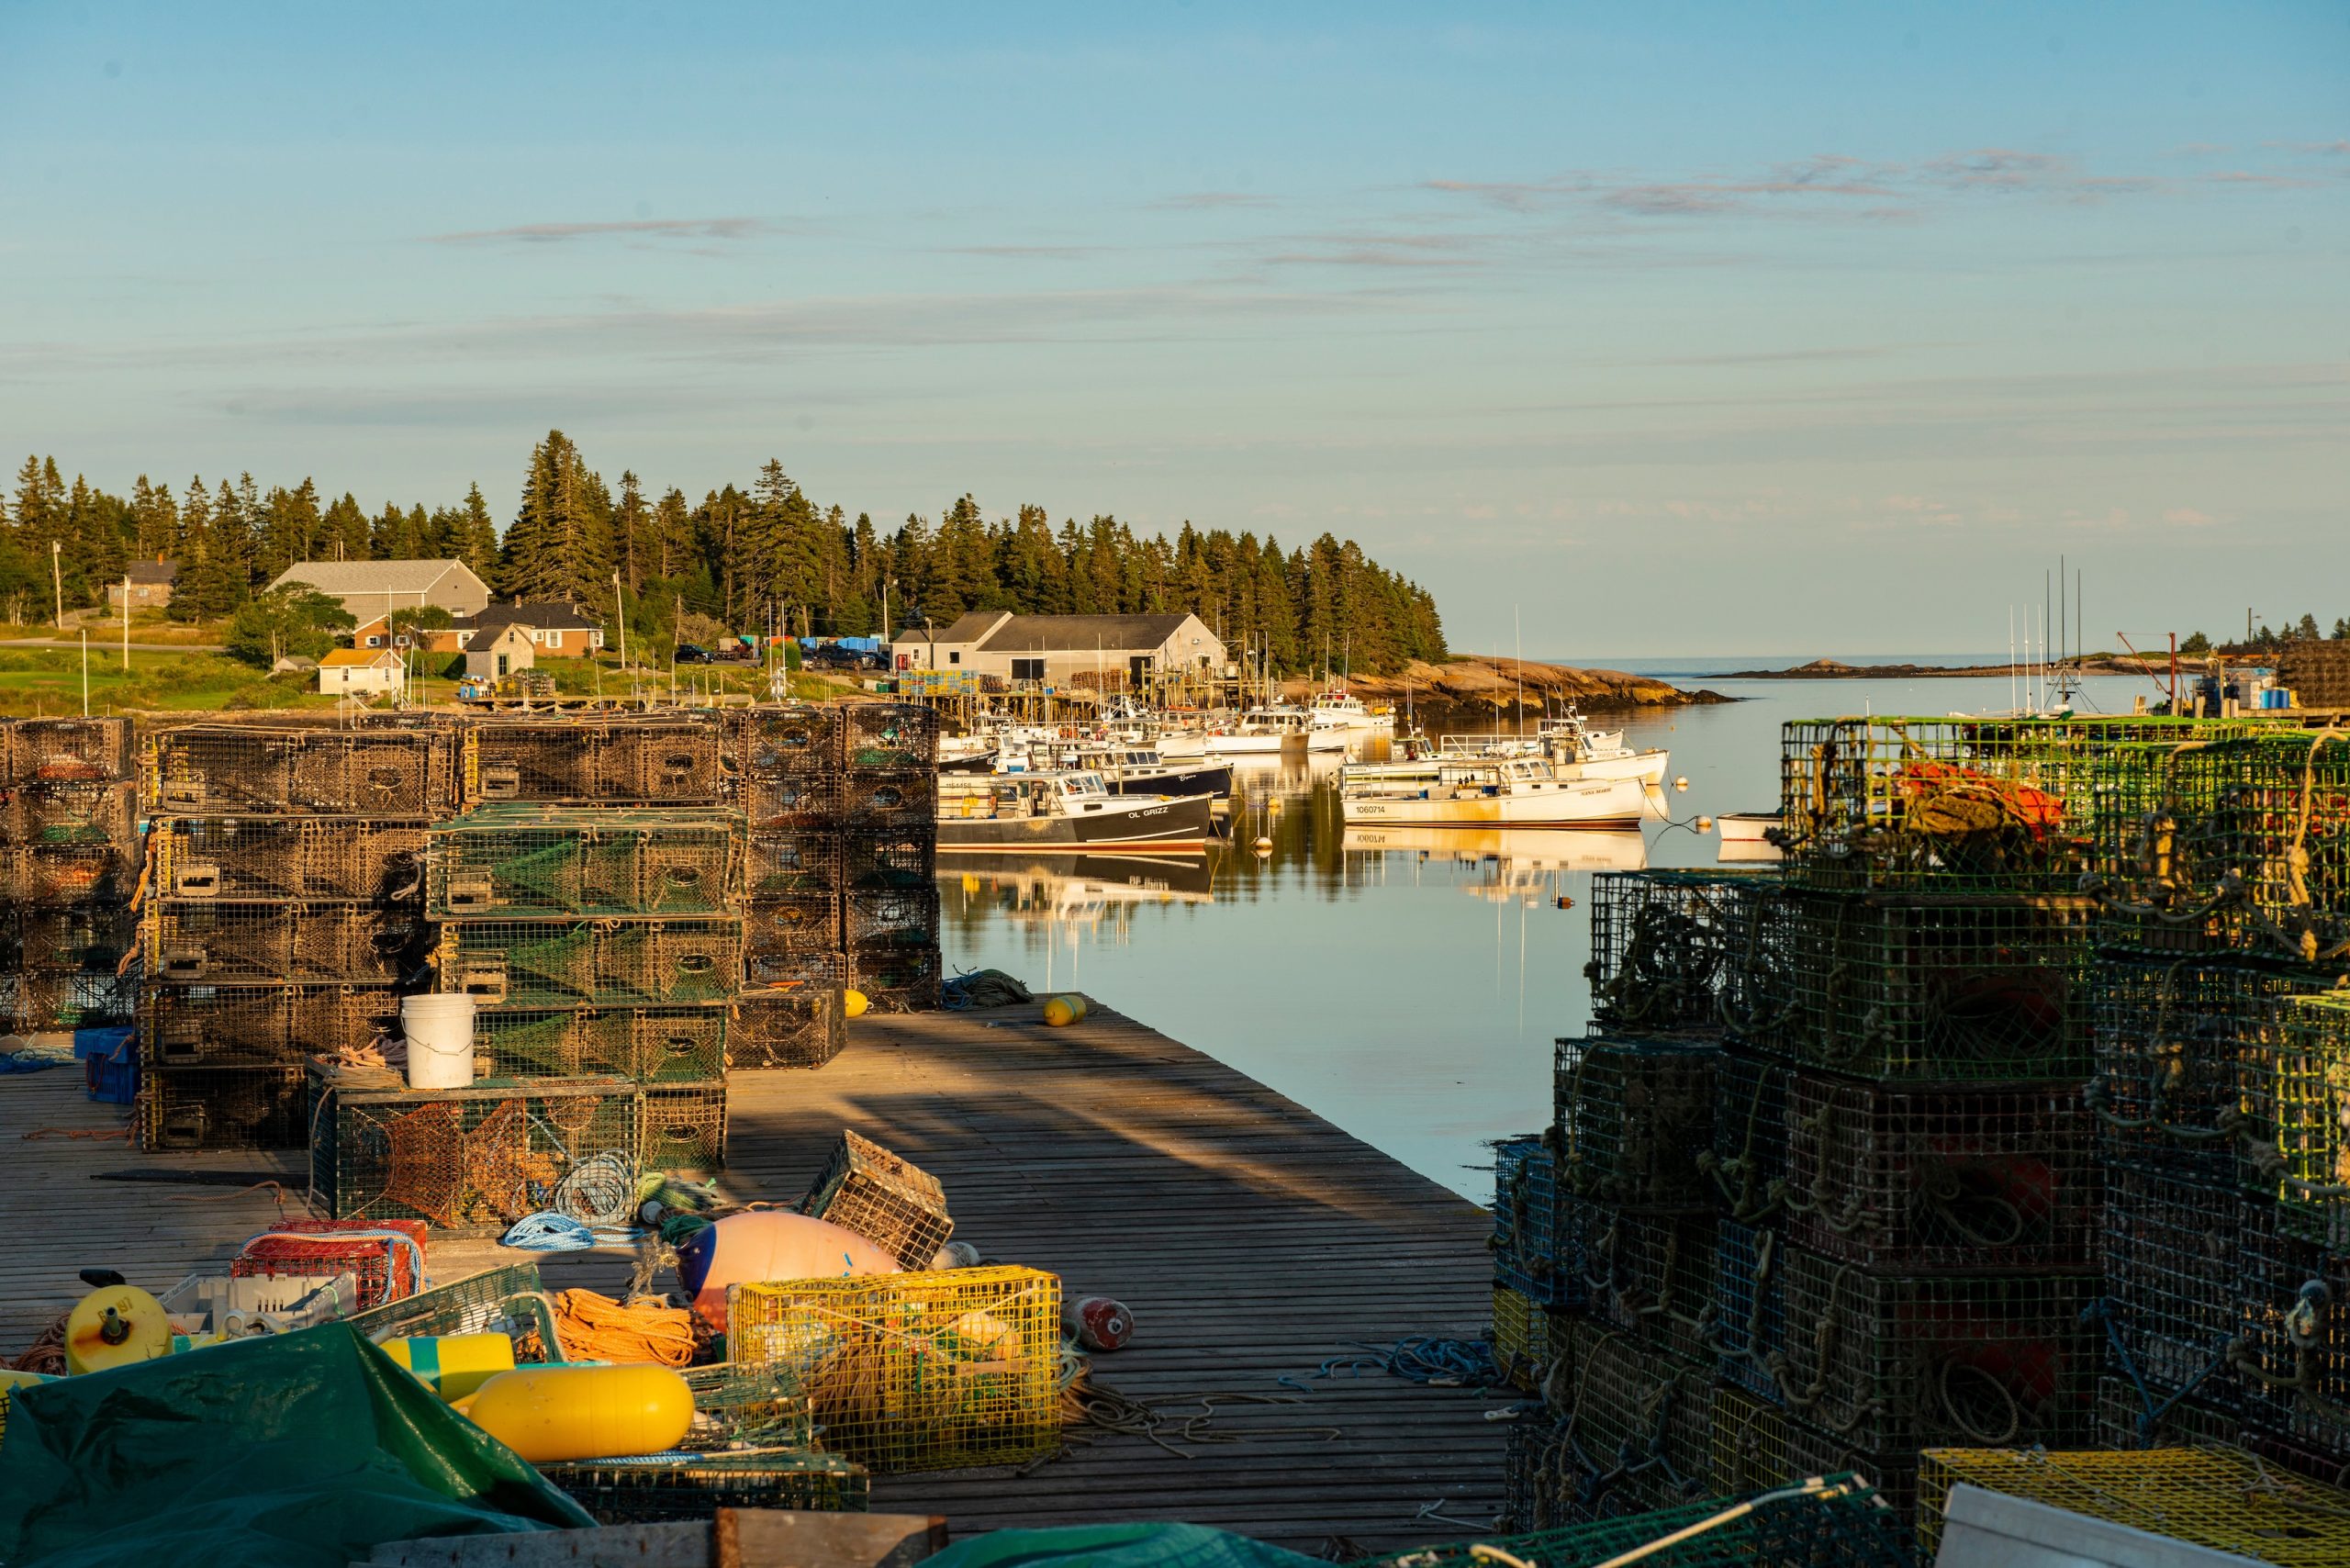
1672 328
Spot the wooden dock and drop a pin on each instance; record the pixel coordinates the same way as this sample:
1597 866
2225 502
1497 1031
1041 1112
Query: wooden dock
1253 1242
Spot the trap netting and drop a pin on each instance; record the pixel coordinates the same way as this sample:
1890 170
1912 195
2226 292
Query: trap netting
795 738
2170 1243
241 769
294 860
647 1045
56 815
889 1201
511 861
613 962
58 875
787 1026
1687 952
1651 1275
222 1026
682 1128
1634 1116
785 862
201 942
887 737
189 1108
510 1300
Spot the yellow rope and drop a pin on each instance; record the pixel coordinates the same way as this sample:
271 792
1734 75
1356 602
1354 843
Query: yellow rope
598 1328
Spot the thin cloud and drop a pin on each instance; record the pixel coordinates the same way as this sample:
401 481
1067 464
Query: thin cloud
1028 253
1194 201
653 228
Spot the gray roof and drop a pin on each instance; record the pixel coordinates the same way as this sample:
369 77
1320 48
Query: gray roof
371 577
162 571
969 627
1037 633
544 615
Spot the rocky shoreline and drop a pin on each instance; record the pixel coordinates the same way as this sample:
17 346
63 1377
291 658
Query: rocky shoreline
1478 681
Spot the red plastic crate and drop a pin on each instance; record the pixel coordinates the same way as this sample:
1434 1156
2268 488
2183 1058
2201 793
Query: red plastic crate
387 1270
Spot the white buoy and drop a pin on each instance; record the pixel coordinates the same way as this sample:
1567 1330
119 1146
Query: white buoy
1264 845
1704 825
1681 782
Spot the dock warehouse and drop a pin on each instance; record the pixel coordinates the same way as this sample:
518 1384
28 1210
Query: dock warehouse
1060 649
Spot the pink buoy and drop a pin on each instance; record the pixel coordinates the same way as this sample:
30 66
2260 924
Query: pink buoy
769 1244
1098 1323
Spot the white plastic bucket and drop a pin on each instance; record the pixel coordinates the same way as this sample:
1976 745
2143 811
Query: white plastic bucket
439 1031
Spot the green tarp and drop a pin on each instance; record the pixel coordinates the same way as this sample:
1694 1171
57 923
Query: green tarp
295 1451
1116 1546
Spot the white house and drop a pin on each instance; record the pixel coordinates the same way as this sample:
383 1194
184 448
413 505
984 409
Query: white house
373 589
507 650
360 672
1064 649
556 630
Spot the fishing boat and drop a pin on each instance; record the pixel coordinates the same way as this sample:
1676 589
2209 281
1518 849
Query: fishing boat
1746 827
1511 791
1571 747
1127 769
1340 709
1064 811
1268 730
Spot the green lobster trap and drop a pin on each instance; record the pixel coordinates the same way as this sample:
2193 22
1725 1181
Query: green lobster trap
509 862
647 1045
1697 953
511 1301
616 962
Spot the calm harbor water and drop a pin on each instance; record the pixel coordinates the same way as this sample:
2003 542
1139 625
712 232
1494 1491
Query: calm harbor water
1408 987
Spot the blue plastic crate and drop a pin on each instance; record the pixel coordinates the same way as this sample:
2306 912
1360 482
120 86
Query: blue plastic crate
112 1078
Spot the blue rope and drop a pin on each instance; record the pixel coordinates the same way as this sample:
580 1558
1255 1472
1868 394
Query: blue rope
1425 1360
2105 1310
547 1231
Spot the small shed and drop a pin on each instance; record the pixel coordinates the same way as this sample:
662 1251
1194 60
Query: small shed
147 584
360 672
506 651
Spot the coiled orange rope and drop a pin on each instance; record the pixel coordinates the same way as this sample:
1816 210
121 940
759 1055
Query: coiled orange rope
598 1328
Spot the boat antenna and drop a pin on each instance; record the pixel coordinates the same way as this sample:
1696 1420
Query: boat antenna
1517 631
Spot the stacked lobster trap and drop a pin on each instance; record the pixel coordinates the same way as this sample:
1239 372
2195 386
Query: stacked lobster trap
70 858
285 915
841 802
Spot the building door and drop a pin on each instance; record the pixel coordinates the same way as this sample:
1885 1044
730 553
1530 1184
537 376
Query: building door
1138 670
502 663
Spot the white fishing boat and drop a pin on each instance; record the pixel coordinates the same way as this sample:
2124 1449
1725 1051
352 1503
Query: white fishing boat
1064 811
1515 792
1745 827
1342 710
1129 768
1516 850
1270 730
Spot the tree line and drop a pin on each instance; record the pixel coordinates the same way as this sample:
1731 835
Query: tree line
748 557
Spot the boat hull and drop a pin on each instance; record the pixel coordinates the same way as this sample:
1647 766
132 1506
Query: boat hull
1176 823
1589 803
1213 779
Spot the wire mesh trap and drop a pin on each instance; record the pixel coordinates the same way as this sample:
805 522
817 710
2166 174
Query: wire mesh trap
258 943
1748 1162
786 924
2171 1246
510 861
659 759
645 1045
1640 1424
2216 1498
1687 952
1521 1338
484 1156
1891 1474
1750 1452
887 737
82 998
386 1258
1904 1179
897 980
511 1300
878 920
795 738
94 938
785 1026
301 859
1817 1523
1633 1118
600 963
1890 1363
692 1486
887 1200
785 801
740 1406
2292 1349
673 760
1532 1248
767 971
1941 989
187 1108
62 815
1650 1275
784 862
56 875
683 1128
1748 1320
885 859
2175 1040
2294 1092
75 751
916 1370
220 1026
2126 1420
887 801
231 768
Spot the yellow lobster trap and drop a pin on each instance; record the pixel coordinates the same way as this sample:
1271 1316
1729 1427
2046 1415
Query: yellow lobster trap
915 1371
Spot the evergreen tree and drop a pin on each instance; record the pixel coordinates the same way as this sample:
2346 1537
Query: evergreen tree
559 546
632 524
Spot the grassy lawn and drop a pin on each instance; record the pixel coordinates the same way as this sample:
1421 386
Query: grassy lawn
49 681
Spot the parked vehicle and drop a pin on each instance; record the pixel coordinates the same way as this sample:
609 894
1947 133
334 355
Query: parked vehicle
691 654
833 656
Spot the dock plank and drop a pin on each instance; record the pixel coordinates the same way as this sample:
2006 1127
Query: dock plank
1254 1242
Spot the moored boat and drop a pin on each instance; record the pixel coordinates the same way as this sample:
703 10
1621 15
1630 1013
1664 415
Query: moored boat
1518 792
1064 811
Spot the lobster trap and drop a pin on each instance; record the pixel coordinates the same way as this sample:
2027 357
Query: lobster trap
1521 1339
1934 989
1831 1522
649 761
1533 1252
2292 1348
2178 1038
884 860
1750 1450
386 1258
887 737
511 1301
781 862
1634 1116
787 924
1688 953
217 1025
2295 1143
188 1108
774 742
2126 1420
511 861
1891 1475
2171 1246
787 1026
1639 1426
896 918
773 970
204 769
307 859
738 1407
692 1486
65 814
1649 1275
917 1371
1903 1180
261 943
1748 1162
1746 1325
52 876
894 802
2223 1499
1897 1363
898 980
1950 805
80 999
791 801
484 1156
646 1044
595 963
93 938
889 1201
682 1128
70 751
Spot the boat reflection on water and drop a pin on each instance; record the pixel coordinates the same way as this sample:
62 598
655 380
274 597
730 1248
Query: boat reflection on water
1532 849
1071 889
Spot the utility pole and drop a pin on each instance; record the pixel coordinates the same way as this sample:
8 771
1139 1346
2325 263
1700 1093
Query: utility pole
57 577
126 621
620 613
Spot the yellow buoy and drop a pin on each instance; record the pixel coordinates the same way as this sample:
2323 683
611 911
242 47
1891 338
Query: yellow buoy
853 1003
1062 1011
1263 846
552 1414
115 1326
453 1365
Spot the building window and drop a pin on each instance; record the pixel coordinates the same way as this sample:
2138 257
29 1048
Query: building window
955 658
555 639
1028 669
502 663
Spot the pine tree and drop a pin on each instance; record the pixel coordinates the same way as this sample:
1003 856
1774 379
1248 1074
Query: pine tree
632 531
559 546
673 529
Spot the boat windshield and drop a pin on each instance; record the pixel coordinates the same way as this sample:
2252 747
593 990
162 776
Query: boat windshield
1085 784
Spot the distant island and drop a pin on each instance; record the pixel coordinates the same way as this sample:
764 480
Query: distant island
1482 685
1836 669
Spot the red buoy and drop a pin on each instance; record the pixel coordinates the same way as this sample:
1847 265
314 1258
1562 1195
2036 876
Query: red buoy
1098 1323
